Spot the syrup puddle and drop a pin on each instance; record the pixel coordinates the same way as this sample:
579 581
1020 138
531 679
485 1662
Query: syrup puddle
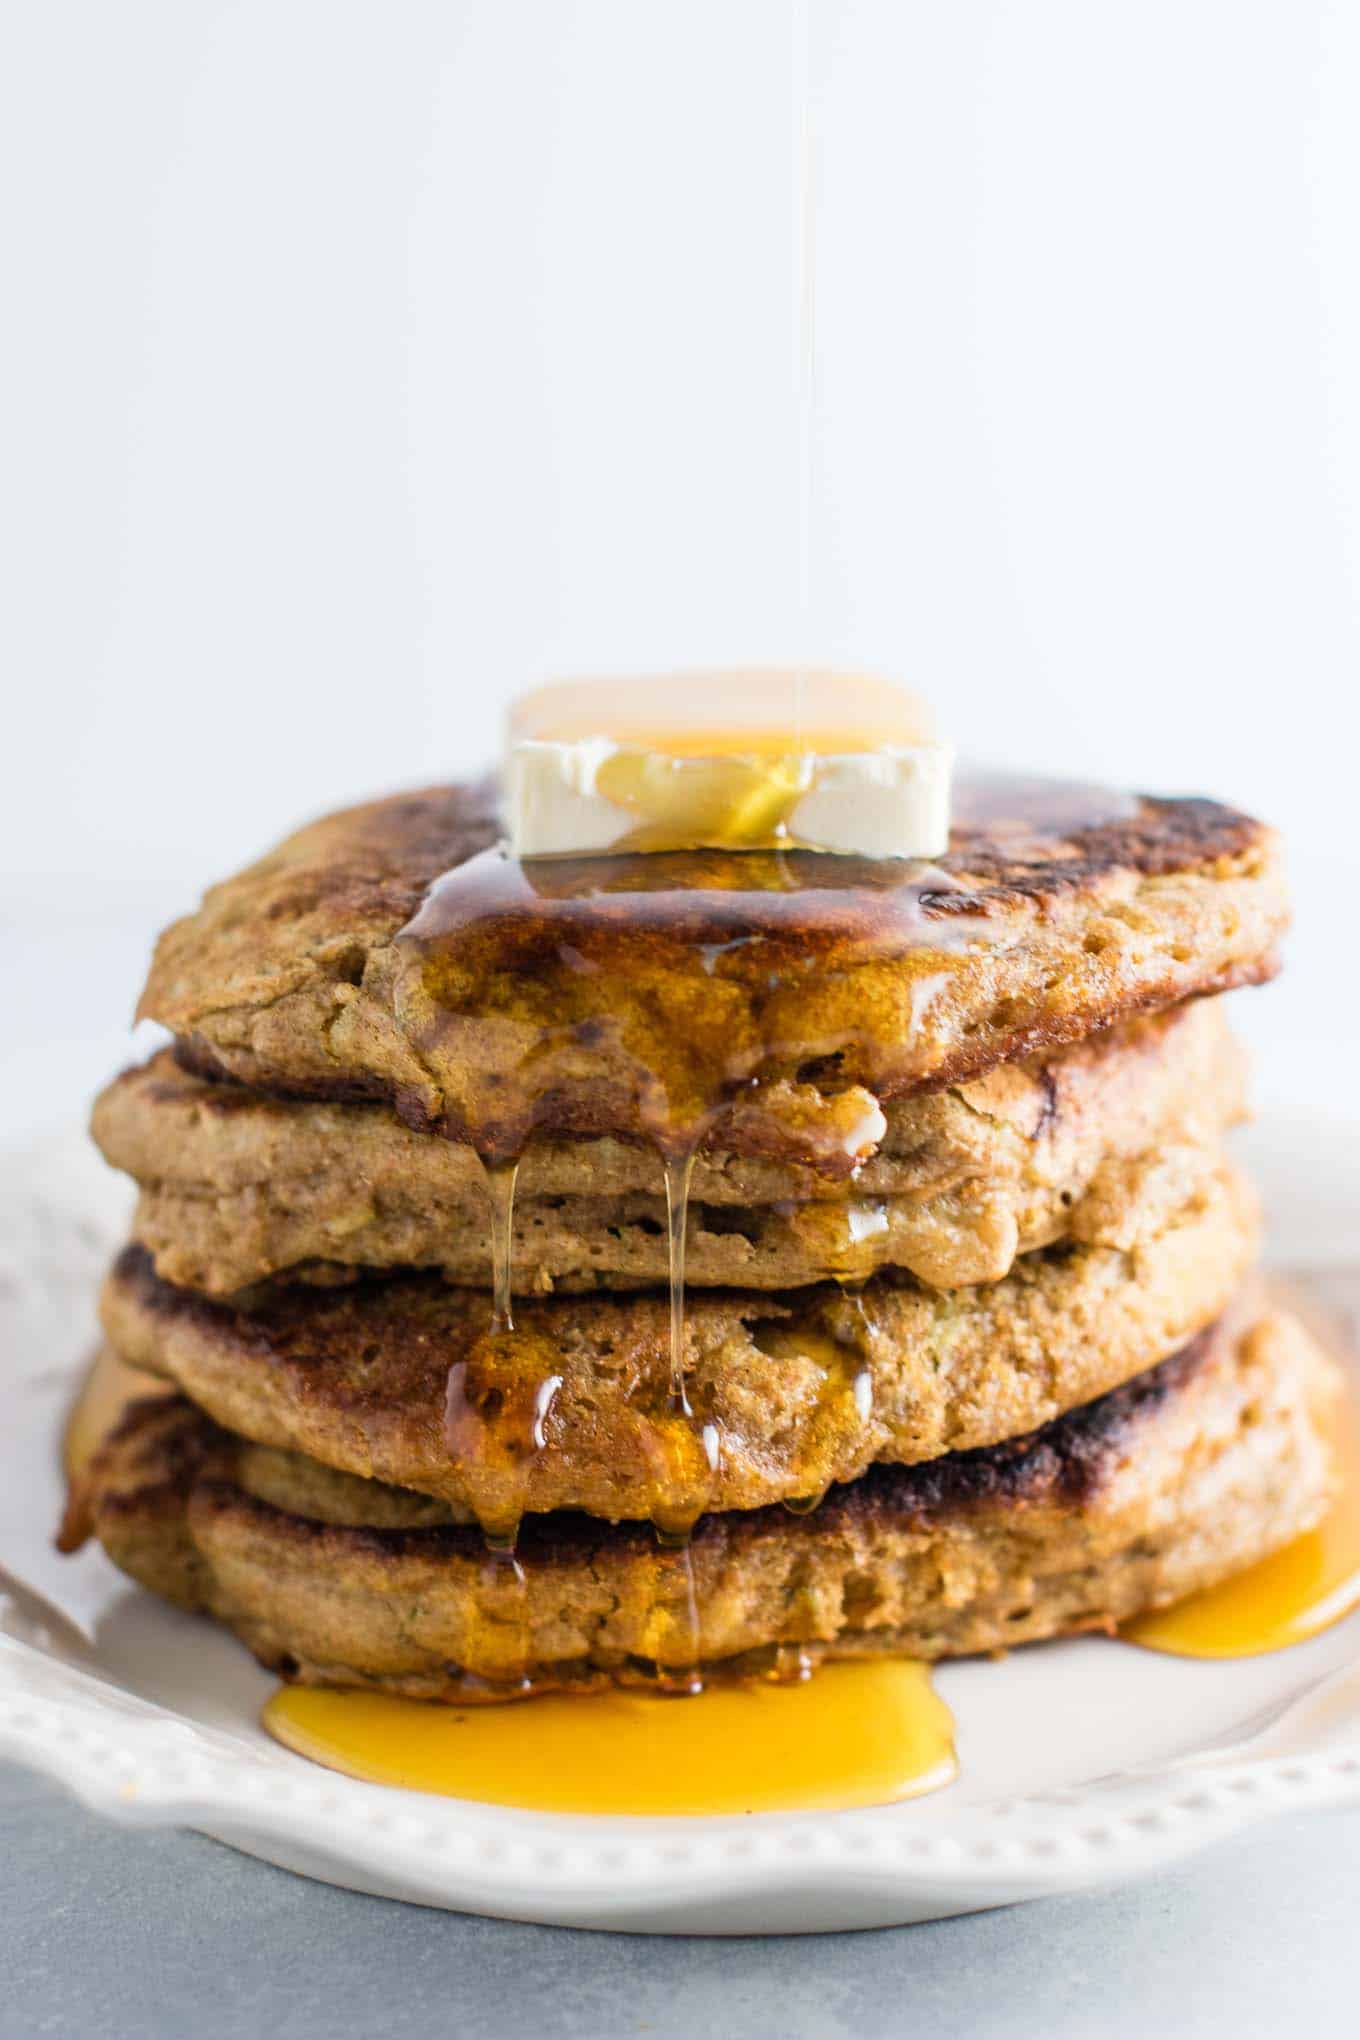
496 1406
852 1735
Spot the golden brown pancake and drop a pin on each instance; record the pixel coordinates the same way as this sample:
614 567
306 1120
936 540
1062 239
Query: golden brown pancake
237 1187
791 1391
1182 1477
764 1003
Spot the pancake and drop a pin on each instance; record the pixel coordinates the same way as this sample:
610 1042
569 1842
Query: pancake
757 1002
793 1391
1169 1484
237 1187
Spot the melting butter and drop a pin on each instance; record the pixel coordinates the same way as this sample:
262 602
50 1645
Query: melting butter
732 761
851 1735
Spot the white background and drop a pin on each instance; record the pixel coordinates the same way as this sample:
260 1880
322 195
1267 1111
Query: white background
363 363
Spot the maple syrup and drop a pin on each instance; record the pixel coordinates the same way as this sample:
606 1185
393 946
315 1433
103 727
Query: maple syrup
496 1407
498 1401
509 970
697 1459
855 1734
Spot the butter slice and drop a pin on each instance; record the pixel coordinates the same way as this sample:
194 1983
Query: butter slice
733 761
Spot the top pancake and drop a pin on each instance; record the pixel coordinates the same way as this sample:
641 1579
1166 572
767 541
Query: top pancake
766 1002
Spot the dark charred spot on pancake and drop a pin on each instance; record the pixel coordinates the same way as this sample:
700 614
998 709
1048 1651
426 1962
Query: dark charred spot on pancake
135 1271
148 1466
363 1345
821 1070
197 1058
969 905
217 1096
1068 1460
347 965
395 848
418 826
1048 1110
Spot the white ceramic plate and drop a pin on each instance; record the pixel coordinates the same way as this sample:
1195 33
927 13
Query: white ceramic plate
1082 1763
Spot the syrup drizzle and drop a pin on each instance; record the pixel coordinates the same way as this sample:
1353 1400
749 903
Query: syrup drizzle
673 1522
498 1401
805 366
679 1172
496 1406
500 1179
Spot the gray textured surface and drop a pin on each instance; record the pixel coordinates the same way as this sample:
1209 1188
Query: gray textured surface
104 1933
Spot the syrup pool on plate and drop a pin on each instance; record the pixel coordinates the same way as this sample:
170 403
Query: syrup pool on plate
854 1734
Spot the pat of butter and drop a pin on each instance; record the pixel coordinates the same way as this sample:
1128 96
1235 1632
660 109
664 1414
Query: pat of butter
731 761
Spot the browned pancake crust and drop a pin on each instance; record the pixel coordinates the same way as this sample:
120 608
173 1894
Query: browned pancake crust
237 1188
802 1389
572 992
1182 1477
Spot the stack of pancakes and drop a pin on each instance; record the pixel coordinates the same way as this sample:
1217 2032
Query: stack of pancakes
966 1351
